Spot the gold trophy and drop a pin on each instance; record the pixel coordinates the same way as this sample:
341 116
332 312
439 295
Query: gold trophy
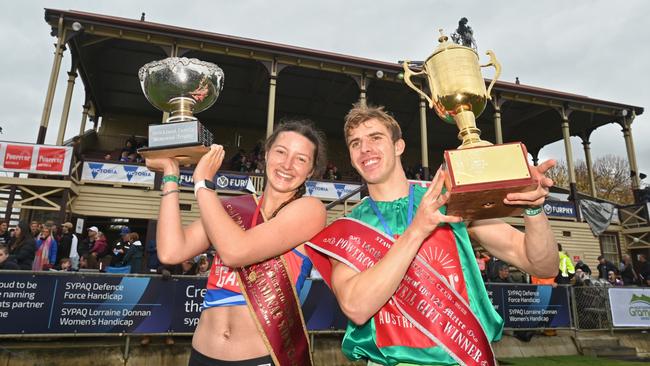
480 174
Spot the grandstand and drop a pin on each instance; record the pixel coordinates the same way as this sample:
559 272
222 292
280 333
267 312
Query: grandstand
265 82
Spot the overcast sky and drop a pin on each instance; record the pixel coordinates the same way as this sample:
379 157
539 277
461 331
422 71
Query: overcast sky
600 49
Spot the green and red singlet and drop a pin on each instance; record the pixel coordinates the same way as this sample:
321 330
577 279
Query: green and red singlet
389 338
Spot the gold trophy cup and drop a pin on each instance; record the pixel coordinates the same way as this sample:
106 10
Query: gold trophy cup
479 174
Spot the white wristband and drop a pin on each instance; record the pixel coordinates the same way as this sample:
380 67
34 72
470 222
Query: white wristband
205 184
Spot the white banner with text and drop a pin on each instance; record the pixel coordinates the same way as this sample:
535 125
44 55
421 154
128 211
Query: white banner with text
630 306
97 172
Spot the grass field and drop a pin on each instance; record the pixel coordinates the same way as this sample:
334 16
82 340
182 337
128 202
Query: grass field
568 361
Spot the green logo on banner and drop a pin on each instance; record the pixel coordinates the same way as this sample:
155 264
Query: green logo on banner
640 306
640 299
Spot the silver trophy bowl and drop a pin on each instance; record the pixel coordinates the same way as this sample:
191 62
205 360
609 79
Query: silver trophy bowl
181 86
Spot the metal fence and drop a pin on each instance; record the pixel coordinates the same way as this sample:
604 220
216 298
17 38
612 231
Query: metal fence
591 308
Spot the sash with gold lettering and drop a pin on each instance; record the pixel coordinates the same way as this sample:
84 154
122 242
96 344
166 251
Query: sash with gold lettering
431 300
270 295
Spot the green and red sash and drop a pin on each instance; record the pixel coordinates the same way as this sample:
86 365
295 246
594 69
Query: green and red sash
270 295
430 306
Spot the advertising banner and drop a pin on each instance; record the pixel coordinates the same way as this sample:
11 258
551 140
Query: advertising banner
98 172
188 294
223 181
330 190
320 308
39 159
57 302
35 304
630 306
559 209
528 306
103 303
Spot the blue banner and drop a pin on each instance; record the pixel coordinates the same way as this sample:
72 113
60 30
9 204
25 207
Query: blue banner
559 209
59 302
529 306
102 303
223 181
330 190
97 303
320 308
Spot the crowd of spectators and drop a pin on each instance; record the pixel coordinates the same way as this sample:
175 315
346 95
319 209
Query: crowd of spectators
48 246
589 291
129 152
416 173
332 172
578 274
251 162
51 247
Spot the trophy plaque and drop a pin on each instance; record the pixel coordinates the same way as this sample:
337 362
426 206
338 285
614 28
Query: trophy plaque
180 86
479 174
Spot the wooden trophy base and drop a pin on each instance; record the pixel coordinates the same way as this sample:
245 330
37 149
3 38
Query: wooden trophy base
186 154
479 179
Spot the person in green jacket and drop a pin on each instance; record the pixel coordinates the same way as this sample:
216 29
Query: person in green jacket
375 145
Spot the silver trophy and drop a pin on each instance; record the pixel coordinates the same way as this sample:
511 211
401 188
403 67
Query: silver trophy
180 86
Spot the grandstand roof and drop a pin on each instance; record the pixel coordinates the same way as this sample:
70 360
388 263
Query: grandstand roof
315 84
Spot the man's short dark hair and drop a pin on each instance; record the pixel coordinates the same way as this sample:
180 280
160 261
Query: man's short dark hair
600 257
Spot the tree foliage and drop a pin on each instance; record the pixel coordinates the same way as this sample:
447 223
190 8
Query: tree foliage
611 175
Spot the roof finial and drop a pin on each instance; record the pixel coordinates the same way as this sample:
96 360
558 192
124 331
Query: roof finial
442 37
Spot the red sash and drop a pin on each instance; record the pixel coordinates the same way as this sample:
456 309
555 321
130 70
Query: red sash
270 296
430 300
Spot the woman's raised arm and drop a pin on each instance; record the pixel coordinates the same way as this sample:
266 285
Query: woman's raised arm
174 242
296 223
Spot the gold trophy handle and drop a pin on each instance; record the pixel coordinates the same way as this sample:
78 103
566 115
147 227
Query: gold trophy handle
407 79
497 73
